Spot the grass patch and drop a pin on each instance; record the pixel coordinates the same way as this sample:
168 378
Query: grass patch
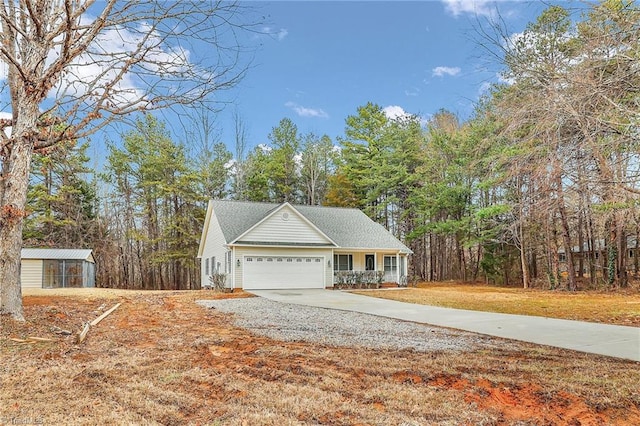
609 308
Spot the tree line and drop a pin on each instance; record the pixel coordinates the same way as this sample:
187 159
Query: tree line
539 187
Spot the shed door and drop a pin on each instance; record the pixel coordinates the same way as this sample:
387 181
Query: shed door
282 272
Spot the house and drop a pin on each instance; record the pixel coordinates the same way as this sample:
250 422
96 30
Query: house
598 253
57 268
279 246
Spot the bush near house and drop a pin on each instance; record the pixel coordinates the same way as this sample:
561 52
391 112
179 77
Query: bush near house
358 279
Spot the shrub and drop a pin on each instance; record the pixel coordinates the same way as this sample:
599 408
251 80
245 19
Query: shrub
358 279
218 282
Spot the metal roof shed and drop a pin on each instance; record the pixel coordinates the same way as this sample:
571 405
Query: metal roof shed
57 268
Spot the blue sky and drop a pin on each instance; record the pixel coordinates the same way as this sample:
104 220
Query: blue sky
324 59
316 62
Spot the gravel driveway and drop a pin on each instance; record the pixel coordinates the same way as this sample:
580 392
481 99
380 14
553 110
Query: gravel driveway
290 322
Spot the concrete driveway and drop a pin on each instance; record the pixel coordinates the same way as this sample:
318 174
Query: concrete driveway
602 339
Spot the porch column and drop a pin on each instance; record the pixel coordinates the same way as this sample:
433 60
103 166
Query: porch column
398 268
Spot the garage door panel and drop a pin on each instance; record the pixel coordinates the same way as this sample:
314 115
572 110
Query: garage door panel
275 272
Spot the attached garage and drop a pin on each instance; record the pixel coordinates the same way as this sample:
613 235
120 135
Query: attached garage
283 272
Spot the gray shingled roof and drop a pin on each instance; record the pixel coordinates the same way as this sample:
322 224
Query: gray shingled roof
57 254
348 228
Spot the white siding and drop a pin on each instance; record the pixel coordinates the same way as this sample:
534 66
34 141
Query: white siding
214 247
240 252
31 273
285 225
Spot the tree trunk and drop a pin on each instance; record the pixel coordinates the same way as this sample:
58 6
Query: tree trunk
636 251
566 234
523 259
12 212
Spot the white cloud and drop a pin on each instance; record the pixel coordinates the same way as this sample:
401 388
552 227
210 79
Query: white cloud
306 112
105 59
474 7
279 34
442 71
282 34
265 148
394 112
414 91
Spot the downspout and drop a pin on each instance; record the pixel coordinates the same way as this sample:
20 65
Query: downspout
233 268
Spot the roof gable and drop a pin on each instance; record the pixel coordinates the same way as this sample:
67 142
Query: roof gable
284 225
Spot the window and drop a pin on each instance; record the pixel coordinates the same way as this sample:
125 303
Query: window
213 265
631 254
206 266
342 262
562 257
308 260
227 262
249 259
269 259
390 264
62 273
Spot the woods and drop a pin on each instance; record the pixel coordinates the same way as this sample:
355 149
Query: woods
73 68
538 188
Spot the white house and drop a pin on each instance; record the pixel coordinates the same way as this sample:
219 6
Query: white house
57 268
278 246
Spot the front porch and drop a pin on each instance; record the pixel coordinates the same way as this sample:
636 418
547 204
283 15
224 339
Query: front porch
369 269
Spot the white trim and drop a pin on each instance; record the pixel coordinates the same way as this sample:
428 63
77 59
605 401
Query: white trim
273 213
205 229
328 247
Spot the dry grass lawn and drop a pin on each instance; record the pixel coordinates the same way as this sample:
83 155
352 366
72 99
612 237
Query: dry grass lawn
162 359
610 308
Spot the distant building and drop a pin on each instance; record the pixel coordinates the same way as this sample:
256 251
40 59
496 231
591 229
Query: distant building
598 254
57 268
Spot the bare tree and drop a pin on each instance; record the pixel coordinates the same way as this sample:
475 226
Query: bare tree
71 67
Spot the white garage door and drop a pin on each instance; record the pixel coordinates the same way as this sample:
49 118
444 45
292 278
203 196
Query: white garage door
274 272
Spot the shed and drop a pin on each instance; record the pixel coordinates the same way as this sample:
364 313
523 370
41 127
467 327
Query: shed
57 268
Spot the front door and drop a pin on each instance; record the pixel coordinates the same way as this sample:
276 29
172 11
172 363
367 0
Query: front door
369 262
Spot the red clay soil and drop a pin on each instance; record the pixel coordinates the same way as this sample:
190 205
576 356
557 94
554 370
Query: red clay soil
166 334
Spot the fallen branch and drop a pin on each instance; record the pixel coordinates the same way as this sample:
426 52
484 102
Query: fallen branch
29 340
39 339
85 330
83 333
103 316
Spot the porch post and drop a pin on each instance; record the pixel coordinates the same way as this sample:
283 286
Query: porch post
398 268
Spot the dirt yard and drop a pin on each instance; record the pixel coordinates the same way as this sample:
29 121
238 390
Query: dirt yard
162 359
